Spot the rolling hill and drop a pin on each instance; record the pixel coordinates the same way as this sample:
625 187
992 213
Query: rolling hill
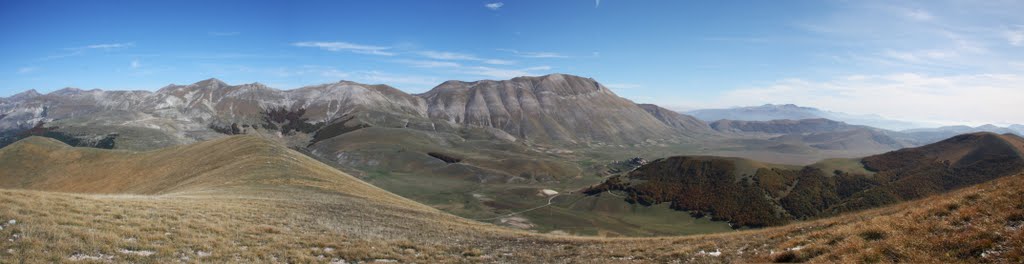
247 199
733 190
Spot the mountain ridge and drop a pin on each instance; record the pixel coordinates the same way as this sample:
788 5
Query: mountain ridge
768 112
552 109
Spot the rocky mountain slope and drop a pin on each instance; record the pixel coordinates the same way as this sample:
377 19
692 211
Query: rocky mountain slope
551 109
685 123
748 193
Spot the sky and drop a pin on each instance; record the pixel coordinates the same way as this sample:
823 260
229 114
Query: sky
946 62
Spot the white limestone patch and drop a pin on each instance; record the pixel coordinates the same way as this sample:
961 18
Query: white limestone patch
715 253
144 253
84 257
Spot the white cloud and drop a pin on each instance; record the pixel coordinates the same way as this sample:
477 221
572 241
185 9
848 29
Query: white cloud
106 46
952 99
1015 36
499 73
431 63
345 46
494 6
441 55
486 71
534 54
444 55
26 70
498 62
919 56
919 15
375 77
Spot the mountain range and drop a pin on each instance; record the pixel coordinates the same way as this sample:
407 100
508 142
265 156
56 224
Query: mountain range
552 109
770 112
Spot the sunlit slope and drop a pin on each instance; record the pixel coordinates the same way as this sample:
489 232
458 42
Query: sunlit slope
232 165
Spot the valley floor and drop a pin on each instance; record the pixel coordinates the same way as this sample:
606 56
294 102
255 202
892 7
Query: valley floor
978 224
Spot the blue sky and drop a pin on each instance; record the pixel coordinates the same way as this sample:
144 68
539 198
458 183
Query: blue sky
940 61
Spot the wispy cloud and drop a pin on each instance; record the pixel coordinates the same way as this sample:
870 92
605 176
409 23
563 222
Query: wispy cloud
878 38
444 55
534 54
500 73
430 63
26 70
920 56
77 51
486 71
494 6
224 33
375 77
345 46
441 55
919 15
135 64
106 46
498 62
232 55
1015 36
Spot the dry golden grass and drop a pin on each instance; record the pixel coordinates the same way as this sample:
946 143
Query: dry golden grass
245 200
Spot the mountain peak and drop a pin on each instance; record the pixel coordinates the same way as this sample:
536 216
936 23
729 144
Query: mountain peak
25 95
211 82
67 91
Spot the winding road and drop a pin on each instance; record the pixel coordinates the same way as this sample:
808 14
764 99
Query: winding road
550 201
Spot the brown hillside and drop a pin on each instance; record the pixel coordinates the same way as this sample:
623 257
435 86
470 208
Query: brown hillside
233 163
298 211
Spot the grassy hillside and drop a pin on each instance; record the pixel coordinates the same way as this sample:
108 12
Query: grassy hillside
244 199
242 163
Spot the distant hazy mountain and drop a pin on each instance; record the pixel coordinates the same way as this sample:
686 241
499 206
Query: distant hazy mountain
817 133
1019 128
780 126
790 111
935 134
